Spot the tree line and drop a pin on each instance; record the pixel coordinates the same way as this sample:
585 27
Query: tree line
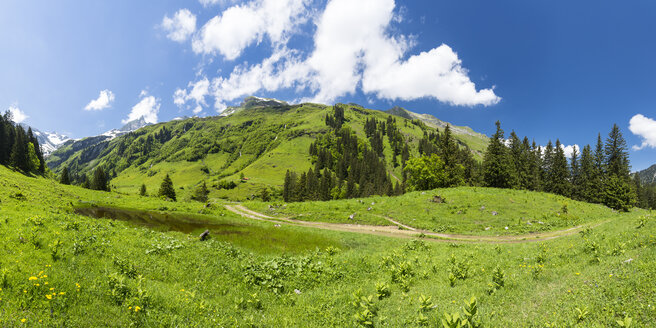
20 149
601 175
344 165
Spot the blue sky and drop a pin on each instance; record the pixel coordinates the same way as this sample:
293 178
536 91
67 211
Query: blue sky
558 69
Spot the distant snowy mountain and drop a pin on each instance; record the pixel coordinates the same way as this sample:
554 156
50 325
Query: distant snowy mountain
128 127
49 141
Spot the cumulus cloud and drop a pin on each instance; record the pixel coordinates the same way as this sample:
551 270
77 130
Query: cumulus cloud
242 25
353 49
645 128
180 26
17 115
147 107
197 92
569 150
207 3
104 100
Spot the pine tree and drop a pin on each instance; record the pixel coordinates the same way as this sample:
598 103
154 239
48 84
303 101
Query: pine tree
19 151
547 166
65 177
586 188
575 170
496 163
617 157
166 189
201 193
142 190
597 191
560 174
99 181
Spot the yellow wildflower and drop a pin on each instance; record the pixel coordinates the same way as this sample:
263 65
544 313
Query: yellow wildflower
62 293
23 320
32 278
137 308
49 296
578 273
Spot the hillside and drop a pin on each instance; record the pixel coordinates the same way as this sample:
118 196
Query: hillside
59 268
648 175
262 139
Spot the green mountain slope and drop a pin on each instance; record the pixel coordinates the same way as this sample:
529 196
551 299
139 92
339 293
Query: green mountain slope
261 139
648 175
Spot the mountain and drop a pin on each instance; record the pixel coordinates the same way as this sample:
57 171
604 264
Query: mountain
648 175
476 141
49 141
69 147
261 139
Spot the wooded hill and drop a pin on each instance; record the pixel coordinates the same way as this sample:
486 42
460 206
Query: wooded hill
261 139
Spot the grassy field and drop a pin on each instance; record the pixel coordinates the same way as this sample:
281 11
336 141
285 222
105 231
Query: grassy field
58 268
467 210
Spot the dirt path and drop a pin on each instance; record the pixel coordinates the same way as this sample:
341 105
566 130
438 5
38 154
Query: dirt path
404 231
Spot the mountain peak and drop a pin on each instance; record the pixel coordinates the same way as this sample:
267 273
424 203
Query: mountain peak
134 125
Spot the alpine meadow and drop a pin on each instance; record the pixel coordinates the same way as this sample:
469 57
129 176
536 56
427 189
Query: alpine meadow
332 163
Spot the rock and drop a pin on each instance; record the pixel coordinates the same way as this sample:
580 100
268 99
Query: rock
352 216
298 292
438 199
373 203
506 228
495 213
368 208
482 208
529 223
628 261
423 193
276 225
487 228
204 235
540 222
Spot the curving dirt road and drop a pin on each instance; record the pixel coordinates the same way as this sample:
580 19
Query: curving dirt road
404 231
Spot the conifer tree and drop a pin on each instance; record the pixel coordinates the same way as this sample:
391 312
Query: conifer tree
65 178
547 166
599 171
99 181
560 174
587 175
19 153
201 193
142 190
617 157
166 189
575 170
496 163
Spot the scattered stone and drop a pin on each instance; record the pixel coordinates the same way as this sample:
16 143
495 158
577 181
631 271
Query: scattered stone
482 207
495 213
487 228
368 208
438 199
529 223
506 228
540 222
276 225
423 193
204 235
352 216
372 203
298 292
628 261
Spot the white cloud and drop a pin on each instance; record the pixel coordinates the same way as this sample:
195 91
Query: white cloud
242 25
352 49
207 3
569 149
645 128
147 107
17 115
181 26
104 100
198 91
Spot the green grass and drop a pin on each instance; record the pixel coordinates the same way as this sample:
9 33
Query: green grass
468 210
105 269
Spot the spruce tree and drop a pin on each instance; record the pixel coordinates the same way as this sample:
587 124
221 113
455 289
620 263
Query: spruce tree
99 181
201 193
547 166
617 156
559 174
597 191
575 170
166 189
19 151
586 184
142 190
65 177
496 163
